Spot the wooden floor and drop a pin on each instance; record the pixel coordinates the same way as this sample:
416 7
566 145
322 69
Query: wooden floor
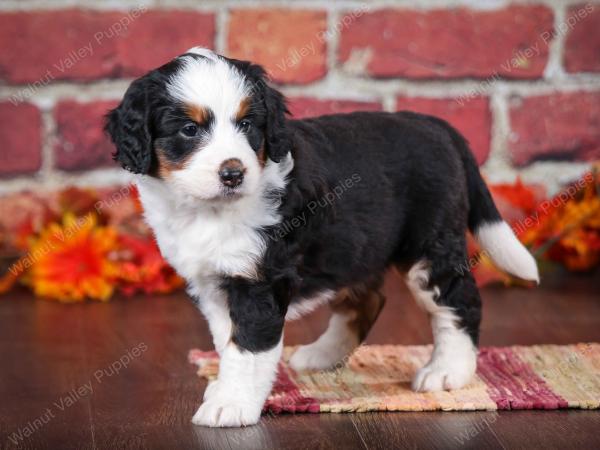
61 385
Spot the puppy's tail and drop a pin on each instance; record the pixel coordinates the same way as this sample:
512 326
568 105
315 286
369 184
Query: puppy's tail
493 234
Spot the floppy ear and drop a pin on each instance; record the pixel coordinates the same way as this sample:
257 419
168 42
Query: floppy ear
278 141
127 126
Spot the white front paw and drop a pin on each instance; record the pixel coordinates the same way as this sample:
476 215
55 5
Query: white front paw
226 408
210 388
308 357
446 373
318 357
213 413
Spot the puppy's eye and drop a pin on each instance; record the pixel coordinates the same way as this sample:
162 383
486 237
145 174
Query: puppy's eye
245 125
190 130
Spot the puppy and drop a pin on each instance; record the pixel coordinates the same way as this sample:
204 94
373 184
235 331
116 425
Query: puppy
266 218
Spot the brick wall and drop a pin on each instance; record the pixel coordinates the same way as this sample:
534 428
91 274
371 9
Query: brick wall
521 80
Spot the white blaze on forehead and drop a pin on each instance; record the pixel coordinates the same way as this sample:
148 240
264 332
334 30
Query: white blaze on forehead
211 83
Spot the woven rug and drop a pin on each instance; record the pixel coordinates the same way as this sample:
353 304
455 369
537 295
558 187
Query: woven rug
377 378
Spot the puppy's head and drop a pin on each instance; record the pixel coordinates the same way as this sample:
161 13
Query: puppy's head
204 124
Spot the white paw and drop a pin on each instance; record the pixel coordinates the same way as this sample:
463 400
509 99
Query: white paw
313 356
213 413
446 373
210 388
226 408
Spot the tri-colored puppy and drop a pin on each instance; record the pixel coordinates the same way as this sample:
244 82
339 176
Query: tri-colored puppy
267 218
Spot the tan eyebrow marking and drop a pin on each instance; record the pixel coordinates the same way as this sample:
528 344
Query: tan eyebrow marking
243 109
198 114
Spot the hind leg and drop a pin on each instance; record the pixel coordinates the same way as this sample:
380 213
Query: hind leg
453 302
354 312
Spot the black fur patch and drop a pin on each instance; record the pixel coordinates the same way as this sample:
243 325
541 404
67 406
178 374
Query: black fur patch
132 126
257 310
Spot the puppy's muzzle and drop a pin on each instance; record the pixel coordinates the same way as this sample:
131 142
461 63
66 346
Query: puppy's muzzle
231 172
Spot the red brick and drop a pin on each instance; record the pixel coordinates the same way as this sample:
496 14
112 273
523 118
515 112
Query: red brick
449 43
471 117
563 126
582 46
20 135
159 36
290 44
82 143
311 107
82 45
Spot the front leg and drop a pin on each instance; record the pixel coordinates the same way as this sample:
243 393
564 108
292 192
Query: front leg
355 310
212 301
245 381
248 364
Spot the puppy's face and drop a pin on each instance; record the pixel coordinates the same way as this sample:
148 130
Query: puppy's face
210 142
203 124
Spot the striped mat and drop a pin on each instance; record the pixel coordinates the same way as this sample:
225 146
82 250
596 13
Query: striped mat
377 378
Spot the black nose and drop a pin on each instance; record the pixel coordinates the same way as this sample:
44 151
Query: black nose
232 173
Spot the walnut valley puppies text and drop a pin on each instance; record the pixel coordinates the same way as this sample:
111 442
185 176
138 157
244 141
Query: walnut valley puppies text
73 396
326 201
76 55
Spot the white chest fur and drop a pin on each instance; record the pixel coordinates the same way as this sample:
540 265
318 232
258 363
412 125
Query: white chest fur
201 240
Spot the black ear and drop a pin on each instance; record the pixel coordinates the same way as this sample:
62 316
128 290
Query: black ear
128 127
278 141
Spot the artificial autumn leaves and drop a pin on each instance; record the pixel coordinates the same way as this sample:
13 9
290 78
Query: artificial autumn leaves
84 244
